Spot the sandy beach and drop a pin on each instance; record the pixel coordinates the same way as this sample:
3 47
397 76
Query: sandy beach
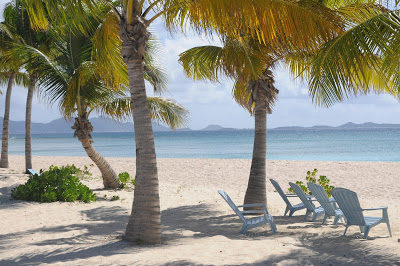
199 228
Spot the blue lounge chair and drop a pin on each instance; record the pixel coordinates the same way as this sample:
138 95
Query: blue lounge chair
328 204
33 172
350 205
289 207
307 201
252 222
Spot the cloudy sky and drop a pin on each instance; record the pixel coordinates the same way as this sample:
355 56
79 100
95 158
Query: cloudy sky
213 104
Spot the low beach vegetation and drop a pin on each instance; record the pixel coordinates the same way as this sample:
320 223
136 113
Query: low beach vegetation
55 184
311 177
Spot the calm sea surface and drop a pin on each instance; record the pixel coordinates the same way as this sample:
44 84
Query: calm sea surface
333 145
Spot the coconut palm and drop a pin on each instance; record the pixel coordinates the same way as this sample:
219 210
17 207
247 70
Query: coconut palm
249 64
282 28
18 30
78 79
361 60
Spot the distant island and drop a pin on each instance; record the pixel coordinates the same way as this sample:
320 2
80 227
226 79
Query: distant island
105 125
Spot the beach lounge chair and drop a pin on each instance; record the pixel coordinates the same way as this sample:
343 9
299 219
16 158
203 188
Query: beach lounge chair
307 201
328 204
349 204
33 172
289 207
251 222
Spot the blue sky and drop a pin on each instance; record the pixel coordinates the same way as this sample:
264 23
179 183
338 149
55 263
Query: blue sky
210 103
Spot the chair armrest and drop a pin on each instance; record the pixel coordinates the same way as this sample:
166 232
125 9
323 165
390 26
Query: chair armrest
375 209
252 205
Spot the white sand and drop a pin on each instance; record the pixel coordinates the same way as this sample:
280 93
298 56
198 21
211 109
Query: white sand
198 226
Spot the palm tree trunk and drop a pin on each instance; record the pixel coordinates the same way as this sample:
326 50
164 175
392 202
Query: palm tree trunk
83 129
256 188
28 124
145 221
6 121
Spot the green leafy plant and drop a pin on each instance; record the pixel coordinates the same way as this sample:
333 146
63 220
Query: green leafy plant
115 197
125 179
312 178
55 184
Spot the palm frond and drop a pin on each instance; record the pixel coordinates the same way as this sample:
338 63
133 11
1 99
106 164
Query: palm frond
162 110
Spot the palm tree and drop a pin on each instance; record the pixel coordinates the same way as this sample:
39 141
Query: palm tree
80 81
249 64
9 75
283 27
18 29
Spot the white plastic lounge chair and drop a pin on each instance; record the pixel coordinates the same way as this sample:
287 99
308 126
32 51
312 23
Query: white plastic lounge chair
326 203
289 207
33 172
350 205
307 201
252 222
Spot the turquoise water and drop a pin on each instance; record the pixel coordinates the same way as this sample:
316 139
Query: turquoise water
333 145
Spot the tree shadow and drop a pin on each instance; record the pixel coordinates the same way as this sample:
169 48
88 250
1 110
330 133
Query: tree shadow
331 249
101 235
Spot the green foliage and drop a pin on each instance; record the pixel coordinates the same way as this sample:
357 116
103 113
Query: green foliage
311 178
125 179
55 184
115 197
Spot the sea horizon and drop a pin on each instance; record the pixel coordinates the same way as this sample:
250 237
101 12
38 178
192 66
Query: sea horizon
373 144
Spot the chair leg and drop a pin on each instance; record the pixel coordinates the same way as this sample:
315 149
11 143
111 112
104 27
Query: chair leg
287 210
273 226
291 212
307 213
388 226
345 230
325 217
244 229
314 217
336 220
362 229
366 231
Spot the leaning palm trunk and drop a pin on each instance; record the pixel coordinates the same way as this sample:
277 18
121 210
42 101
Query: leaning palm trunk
256 190
6 121
28 124
83 129
145 221
263 94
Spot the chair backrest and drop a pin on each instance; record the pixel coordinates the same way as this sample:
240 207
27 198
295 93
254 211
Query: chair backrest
350 206
33 172
321 196
231 204
300 193
280 192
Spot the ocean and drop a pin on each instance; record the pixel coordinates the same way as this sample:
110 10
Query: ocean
324 144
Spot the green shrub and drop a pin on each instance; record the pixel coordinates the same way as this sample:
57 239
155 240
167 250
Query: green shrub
311 178
115 197
55 184
125 179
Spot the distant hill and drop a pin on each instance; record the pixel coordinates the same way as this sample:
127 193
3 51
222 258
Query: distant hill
108 125
62 126
349 125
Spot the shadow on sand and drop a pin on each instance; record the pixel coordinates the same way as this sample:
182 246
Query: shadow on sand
105 226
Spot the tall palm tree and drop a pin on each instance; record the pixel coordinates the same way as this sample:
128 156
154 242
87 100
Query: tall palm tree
19 31
283 27
82 82
249 64
10 74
